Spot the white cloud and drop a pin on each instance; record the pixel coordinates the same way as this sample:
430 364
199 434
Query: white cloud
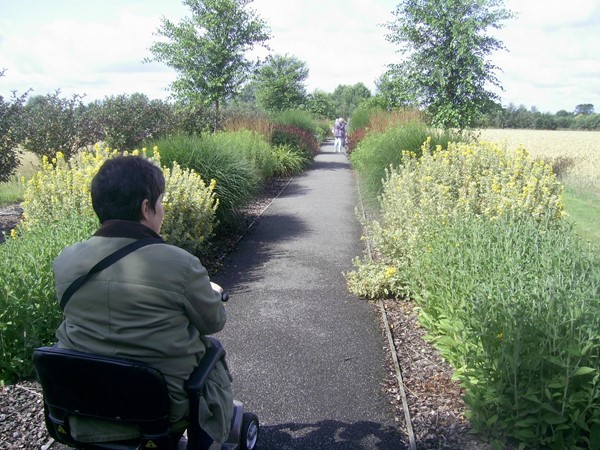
97 48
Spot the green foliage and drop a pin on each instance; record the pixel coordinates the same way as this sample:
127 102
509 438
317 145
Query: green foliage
475 234
360 118
297 139
280 83
298 118
288 161
58 212
346 98
190 210
62 187
513 304
393 91
29 312
11 134
378 151
208 50
446 49
53 124
125 121
320 104
236 160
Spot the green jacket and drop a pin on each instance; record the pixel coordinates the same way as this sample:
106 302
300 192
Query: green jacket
154 305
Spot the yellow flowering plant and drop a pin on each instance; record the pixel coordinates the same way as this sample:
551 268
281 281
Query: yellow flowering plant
62 188
58 212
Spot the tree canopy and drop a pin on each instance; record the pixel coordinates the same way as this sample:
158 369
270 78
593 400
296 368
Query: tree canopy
208 50
280 83
446 45
346 98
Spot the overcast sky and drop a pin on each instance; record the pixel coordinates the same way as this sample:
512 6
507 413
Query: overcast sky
96 47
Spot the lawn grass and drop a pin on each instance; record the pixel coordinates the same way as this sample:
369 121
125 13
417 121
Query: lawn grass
584 210
12 191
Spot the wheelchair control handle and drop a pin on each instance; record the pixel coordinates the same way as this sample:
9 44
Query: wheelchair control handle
224 296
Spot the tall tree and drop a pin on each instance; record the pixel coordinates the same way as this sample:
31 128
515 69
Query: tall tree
446 45
208 50
280 83
585 109
12 132
346 98
320 103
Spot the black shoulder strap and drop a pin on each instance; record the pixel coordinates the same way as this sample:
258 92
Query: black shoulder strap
110 259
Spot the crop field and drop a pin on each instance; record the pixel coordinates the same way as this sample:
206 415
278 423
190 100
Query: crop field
579 152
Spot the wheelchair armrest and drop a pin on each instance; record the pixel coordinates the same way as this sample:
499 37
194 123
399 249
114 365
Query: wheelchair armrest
197 379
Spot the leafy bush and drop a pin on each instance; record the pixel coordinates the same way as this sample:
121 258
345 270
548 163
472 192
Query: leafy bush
225 157
513 304
62 187
296 138
29 312
476 235
58 212
289 162
190 210
463 181
11 134
376 152
298 118
126 121
53 124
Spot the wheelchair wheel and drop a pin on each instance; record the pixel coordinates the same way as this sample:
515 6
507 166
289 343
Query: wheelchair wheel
249 435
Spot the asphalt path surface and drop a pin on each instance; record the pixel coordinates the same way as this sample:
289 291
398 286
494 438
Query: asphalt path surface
307 356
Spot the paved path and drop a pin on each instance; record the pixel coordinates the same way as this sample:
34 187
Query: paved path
307 357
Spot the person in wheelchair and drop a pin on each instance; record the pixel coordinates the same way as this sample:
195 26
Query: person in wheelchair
156 304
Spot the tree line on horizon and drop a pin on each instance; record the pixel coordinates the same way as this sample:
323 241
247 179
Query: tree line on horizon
444 73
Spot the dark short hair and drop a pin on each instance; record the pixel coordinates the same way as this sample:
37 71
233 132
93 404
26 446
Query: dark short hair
122 184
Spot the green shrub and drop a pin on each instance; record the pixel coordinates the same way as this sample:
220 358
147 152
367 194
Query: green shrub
62 187
476 235
360 119
125 121
376 152
58 212
296 138
29 312
513 304
225 157
12 134
190 210
289 162
463 181
53 124
297 118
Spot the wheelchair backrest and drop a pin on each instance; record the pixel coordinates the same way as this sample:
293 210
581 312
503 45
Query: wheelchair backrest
106 388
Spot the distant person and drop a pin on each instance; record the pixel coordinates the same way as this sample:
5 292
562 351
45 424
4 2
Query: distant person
339 132
155 305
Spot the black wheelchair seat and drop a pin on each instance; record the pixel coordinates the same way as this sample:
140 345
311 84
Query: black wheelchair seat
116 390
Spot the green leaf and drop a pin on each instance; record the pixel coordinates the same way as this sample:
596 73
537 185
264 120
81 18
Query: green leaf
584 371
